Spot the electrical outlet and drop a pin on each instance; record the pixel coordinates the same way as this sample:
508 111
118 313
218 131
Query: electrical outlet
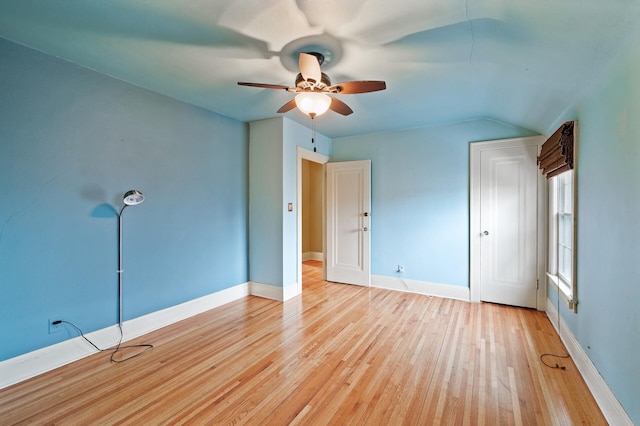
55 325
400 269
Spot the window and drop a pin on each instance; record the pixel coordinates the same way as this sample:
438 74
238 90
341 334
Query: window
565 226
561 235
556 161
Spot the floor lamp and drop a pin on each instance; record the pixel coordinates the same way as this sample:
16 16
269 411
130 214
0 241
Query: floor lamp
131 198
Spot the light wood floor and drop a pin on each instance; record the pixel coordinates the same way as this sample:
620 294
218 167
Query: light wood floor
339 354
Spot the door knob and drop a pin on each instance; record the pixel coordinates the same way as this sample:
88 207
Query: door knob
485 233
365 229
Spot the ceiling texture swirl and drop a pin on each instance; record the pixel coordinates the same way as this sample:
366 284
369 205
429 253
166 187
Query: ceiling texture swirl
525 63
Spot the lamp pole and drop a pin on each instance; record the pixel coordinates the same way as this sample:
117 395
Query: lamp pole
131 198
120 266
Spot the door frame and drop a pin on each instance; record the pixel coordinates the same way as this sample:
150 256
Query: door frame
305 154
475 151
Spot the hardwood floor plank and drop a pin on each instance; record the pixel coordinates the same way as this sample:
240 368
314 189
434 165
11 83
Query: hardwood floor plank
338 354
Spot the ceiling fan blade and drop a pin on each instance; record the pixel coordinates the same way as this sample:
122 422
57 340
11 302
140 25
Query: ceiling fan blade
288 106
353 87
310 68
340 107
264 86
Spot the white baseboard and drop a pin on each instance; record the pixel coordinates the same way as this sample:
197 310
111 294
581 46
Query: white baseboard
290 291
313 255
31 364
606 400
274 292
266 291
421 287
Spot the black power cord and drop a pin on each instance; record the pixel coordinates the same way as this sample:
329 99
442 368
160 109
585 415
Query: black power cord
543 356
117 347
561 367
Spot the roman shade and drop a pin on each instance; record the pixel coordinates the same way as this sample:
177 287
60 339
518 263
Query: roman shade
556 155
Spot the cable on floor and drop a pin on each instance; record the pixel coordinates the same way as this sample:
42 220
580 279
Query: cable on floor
117 348
543 356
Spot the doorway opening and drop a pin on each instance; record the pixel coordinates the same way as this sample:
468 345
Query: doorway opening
310 212
311 207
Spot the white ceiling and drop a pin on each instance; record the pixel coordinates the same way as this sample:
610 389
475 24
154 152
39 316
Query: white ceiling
523 62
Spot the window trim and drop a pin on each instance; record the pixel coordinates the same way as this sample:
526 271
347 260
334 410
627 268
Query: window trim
565 289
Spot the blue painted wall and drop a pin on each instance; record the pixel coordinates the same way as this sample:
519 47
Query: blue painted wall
265 214
607 324
420 196
71 143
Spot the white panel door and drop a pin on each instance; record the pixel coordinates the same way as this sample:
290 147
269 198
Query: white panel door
509 226
348 222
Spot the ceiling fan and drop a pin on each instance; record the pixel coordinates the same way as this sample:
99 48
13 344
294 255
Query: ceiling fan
313 86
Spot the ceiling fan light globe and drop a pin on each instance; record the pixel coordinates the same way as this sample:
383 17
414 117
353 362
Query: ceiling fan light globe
313 104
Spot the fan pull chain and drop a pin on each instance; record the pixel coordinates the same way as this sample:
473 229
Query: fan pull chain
313 133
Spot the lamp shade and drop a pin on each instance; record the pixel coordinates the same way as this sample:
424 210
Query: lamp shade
313 104
133 197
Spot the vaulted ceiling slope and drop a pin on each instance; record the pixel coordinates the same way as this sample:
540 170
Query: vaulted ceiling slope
523 62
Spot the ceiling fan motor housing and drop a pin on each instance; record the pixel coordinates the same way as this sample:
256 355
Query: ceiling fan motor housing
324 82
